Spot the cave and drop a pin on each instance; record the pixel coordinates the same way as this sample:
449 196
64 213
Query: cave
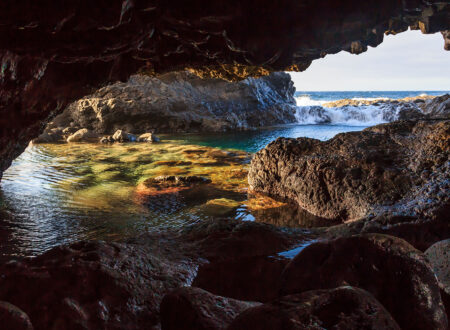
325 232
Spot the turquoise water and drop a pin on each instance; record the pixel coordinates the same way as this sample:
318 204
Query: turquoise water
252 141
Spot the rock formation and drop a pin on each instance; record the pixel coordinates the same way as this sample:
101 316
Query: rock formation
180 102
399 168
53 54
368 112
362 261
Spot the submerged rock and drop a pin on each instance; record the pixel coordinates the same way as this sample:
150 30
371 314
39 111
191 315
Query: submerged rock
398 168
197 309
182 101
392 270
340 308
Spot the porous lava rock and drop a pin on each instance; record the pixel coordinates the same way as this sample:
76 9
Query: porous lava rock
397 275
400 168
53 53
182 102
196 309
340 308
439 257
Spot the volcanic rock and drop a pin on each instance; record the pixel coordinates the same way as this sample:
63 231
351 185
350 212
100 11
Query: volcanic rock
96 285
398 168
196 309
83 135
439 257
392 270
12 318
245 278
341 308
181 101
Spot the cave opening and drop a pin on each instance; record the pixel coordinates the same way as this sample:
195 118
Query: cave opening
189 167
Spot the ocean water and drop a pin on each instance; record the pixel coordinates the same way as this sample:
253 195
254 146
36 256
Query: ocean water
319 98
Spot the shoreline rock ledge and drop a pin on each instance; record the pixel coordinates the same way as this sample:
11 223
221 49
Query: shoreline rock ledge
178 102
399 168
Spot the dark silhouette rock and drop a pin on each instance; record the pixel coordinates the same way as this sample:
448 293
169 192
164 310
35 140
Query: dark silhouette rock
96 285
341 308
439 257
392 270
12 318
248 278
196 309
398 168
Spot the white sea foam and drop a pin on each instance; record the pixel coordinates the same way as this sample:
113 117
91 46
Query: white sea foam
365 115
306 100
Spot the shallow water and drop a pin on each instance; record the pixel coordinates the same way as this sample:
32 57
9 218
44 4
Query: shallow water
61 193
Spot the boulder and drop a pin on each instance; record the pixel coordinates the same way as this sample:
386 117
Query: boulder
398 168
244 278
97 285
122 136
83 135
13 318
148 137
392 270
439 257
196 309
438 107
340 308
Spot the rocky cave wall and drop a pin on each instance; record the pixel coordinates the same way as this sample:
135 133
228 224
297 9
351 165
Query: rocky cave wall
52 53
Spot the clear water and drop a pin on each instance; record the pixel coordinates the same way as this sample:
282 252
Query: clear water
252 141
61 193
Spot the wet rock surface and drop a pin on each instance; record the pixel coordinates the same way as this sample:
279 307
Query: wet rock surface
389 268
53 54
399 168
341 308
197 309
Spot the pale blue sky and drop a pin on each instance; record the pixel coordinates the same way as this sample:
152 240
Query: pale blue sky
406 61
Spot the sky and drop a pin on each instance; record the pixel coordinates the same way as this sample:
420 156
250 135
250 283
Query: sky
406 61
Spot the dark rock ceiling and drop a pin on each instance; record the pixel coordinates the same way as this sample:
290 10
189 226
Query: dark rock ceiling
53 52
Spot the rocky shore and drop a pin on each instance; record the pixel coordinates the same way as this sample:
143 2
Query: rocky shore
229 275
399 168
371 112
178 102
